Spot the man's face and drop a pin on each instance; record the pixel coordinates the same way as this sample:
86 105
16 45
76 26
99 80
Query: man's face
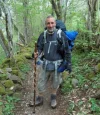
50 24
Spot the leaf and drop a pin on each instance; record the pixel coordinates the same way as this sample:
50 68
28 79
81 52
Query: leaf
1 103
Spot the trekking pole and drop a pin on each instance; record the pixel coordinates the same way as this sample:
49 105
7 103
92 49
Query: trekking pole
35 58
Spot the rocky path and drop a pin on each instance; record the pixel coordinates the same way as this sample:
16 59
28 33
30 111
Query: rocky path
22 107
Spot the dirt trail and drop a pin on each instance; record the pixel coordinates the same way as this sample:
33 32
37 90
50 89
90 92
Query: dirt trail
22 107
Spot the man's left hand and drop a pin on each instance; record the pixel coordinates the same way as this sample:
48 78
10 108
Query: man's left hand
69 68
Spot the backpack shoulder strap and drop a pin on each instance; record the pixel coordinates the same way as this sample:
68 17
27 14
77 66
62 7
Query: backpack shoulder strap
59 33
45 36
59 37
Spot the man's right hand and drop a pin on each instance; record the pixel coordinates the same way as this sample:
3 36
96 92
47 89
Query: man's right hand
35 54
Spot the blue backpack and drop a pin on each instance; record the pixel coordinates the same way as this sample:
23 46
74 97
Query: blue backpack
71 35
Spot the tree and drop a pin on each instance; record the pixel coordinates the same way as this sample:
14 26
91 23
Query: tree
8 24
60 8
92 10
25 18
4 44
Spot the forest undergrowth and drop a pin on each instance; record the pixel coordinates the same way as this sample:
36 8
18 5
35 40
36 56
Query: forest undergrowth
81 87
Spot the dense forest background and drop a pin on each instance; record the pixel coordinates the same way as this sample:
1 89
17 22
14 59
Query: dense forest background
21 22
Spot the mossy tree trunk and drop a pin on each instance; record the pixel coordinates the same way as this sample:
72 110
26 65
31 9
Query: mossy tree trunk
8 25
4 44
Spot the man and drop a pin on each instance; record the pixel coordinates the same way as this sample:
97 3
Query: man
48 45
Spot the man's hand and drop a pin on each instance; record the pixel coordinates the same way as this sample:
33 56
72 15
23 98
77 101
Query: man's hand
69 68
35 54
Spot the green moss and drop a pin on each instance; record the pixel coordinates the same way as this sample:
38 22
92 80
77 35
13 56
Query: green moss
28 55
20 58
8 83
2 90
26 49
3 76
8 63
15 72
98 67
7 60
90 75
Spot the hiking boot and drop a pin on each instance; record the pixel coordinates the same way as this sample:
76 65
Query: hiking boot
38 102
53 101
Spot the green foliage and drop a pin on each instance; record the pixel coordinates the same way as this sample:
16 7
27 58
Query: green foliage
25 67
96 82
8 105
66 86
71 107
94 106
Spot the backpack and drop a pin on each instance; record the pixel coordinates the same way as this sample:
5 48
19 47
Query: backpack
60 25
71 35
58 65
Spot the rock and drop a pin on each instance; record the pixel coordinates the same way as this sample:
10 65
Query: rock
9 92
14 78
16 88
9 69
86 87
17 95
1 71
74 82
97 95
97 68
90 75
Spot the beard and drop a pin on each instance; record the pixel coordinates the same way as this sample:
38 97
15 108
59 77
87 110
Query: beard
51 30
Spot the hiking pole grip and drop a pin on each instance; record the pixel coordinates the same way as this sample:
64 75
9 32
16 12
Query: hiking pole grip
35 59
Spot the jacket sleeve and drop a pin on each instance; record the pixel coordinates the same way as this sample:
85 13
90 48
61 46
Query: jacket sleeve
40 43
66 48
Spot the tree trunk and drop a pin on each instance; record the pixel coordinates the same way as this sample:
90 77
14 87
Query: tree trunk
8 24
91 23
57 8
65 10
25 18
4 44
60 8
